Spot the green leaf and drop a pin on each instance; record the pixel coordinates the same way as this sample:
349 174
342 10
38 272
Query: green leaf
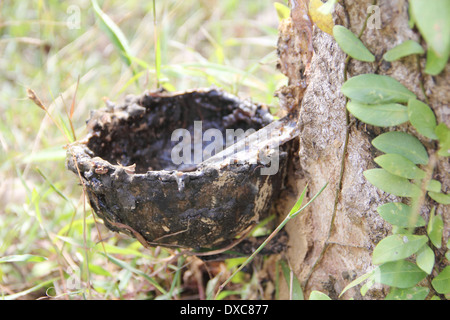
441 283
414 293
443 134
351 45
296 290
399 166
317 295
376 89
225 293
392 184
299 202
381 115
435 64
404 49
22 258
295 210
400 214
435 228
403 144
434 186
400 274
283 11
440 197
396 247
432 20
422 118
366 286
96 269
358 281
411 21
425 259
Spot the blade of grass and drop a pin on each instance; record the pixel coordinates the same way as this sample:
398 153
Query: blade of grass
56 189
72 109
176 278
72 106
22 258
132 80
295 289
126 266
157 44
114 34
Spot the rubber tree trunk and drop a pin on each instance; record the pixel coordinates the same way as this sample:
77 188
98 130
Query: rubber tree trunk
332 243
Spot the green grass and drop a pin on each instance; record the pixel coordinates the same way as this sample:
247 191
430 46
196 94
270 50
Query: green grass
49 239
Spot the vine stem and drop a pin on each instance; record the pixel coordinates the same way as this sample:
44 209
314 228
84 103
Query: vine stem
342 168
421 80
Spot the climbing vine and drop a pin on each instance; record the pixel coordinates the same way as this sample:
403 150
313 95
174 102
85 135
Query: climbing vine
415 251
406 168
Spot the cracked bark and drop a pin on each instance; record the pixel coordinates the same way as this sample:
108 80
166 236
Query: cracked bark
357 227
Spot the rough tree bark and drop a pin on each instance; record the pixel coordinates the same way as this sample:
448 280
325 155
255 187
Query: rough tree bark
327 259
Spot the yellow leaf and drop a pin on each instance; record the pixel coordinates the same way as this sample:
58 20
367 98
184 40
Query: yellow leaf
323 21
283 11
